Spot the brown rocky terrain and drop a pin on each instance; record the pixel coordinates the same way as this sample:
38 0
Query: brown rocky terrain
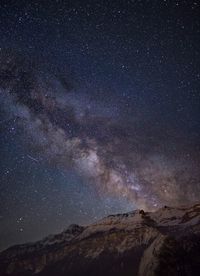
165 242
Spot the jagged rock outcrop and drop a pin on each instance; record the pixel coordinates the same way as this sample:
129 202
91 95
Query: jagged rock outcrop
165 242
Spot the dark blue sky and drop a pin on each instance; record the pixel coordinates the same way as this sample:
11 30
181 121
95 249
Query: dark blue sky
100 111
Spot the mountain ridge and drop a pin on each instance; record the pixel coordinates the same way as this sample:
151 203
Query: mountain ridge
164 242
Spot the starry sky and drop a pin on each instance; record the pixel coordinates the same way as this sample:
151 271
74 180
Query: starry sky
100 104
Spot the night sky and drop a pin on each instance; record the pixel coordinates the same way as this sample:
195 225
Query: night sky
99 111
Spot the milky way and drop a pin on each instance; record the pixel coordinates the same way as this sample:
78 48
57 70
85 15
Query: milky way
68 128
99 111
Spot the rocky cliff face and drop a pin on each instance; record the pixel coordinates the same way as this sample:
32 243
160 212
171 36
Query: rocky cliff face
165 242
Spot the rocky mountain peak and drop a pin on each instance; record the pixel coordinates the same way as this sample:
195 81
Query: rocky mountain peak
163 242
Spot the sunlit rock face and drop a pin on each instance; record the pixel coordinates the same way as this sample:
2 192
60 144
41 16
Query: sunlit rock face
165 242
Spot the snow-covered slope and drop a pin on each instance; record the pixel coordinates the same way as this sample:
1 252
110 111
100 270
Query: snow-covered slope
165 242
